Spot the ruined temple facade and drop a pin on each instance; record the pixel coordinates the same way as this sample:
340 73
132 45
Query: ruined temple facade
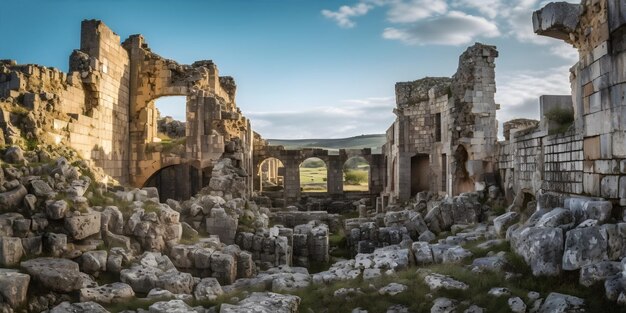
104 109
445 133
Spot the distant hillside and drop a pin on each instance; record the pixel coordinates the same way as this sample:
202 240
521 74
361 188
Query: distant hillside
359 142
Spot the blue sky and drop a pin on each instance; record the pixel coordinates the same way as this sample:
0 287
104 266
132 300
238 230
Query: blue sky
311 68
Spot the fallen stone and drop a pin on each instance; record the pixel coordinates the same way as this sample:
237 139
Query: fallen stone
444 305
392 289
14 287
585 246
56 274
437 281
110 293
79 307
208 289
560 303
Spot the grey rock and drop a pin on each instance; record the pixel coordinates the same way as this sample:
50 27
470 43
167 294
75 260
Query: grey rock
56 210
14 288
13 199
392 289
110 293
208 289
436 281
80 307
585 246
560 303
598 272
83 225
517 305
265 302
541 248
59 275
11 251
444 305
504 221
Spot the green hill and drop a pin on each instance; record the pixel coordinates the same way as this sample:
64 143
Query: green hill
375 142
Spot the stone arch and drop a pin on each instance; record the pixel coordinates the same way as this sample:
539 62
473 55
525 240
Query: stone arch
271 174
163 179
356 174
314 175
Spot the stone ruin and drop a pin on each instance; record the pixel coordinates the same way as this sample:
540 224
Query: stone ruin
104 109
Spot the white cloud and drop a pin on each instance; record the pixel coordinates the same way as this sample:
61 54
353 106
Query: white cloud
344 15
565 51
353 117
454 28
490 8
518 93
414 10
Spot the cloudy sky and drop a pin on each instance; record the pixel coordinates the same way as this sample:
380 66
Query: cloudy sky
311 68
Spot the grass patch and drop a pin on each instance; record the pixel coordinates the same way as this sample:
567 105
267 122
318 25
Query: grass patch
313 179
563 118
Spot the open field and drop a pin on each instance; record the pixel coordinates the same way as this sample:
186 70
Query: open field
375 142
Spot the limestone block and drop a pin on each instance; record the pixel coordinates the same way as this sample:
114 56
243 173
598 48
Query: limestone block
54 244
109 293
14 287
83 225
584 246
609 187
56 274
11 251
541 248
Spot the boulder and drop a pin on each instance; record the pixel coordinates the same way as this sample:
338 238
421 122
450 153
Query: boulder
436 281
444 305
517 305
14 155
110 293
456 255
11 251
504 221
41 189
83 225
585 246
13 199
80 307
208 289
560 303
56 210
264 302
14 287
172 306
598 272
176 282
92 262
423 253
541 248
392 289
59 275
558 217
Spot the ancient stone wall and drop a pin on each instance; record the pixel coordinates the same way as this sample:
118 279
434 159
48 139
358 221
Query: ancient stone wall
586 157
104 108
444 137
292 159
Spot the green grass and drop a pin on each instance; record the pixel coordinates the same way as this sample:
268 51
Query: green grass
356 179
313 179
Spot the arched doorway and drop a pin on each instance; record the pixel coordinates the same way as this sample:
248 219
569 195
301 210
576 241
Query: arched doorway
271 175
356 172
313 175
462 181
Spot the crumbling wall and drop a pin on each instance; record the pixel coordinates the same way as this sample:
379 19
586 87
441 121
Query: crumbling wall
444 119
104 108
584 158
